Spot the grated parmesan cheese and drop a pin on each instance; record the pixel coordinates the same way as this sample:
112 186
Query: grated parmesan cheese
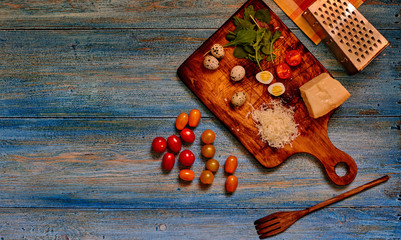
275 123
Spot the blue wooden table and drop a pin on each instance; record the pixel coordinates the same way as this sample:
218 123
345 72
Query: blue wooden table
85 86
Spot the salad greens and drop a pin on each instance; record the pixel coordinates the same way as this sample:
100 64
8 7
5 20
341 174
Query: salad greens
252 37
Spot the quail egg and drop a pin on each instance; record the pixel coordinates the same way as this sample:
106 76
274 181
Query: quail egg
210 62
238 99
217 50
264 77
276 89
237 73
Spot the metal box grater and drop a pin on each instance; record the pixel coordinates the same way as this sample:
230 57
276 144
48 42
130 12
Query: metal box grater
346 32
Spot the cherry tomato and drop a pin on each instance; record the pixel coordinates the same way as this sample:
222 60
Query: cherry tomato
231 183
208 136
212 165
187 158
187 135
159 144
206 177
208 151
174 143
194 117
293 58
231 164
187 175
168 161
283 71
181 121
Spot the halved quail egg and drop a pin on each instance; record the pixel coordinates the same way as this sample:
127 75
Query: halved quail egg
217 50
210 62
237 73
264 77
276 89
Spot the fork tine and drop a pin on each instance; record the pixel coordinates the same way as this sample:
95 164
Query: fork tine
271 232
265 219
268 226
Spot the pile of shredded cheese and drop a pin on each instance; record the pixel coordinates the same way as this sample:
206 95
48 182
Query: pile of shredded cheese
275 123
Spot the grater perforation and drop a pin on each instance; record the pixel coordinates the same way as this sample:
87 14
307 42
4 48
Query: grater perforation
346 32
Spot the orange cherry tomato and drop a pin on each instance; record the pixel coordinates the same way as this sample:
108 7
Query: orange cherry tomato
231 183
181 121
208 151
208 136
206 177
187 175
212 165
231 164
194 117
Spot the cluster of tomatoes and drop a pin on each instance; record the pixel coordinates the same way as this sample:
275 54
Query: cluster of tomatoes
293 58
187 158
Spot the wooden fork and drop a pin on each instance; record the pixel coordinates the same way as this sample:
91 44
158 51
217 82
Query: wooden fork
278 222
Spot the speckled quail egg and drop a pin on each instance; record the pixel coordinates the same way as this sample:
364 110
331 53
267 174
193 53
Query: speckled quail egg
217 50
264 77
238 99
210 62
237 73
276 89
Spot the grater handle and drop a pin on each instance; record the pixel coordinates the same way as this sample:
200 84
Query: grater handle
331 157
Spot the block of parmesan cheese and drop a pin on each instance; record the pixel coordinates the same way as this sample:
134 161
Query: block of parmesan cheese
323 94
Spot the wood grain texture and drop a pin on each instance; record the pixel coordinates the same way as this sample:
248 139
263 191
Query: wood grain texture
215 89
108 163
86 85
61 224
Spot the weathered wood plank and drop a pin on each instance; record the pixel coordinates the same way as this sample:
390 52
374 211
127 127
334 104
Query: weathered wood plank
112 72
108 163
150 14
329 223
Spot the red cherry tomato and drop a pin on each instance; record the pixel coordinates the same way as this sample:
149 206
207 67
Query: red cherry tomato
231 183
168 161
293 58
283 71
159 144
187 158
174 143
187 175
187 135
194 117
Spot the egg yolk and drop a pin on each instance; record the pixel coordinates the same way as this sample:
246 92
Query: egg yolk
277 90
265 76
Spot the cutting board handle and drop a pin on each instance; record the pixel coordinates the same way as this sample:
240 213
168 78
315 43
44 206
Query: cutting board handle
330 156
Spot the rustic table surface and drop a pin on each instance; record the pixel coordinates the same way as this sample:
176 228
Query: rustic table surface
85 86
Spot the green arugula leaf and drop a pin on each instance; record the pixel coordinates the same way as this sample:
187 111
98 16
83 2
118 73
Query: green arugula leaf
270 57
244 36
249 11
263 15
239 52
243 24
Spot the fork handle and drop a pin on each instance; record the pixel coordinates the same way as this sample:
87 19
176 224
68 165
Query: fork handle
347 194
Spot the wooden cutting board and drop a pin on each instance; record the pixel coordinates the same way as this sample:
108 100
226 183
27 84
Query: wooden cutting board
215 89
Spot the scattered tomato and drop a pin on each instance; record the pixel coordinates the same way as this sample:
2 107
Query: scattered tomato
187 158
174 143
159 144
194 117
206 177
181 121
212 165
187 175
208 151
231 183
187 135
283 71
293 58
168 161
231 164
208 136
